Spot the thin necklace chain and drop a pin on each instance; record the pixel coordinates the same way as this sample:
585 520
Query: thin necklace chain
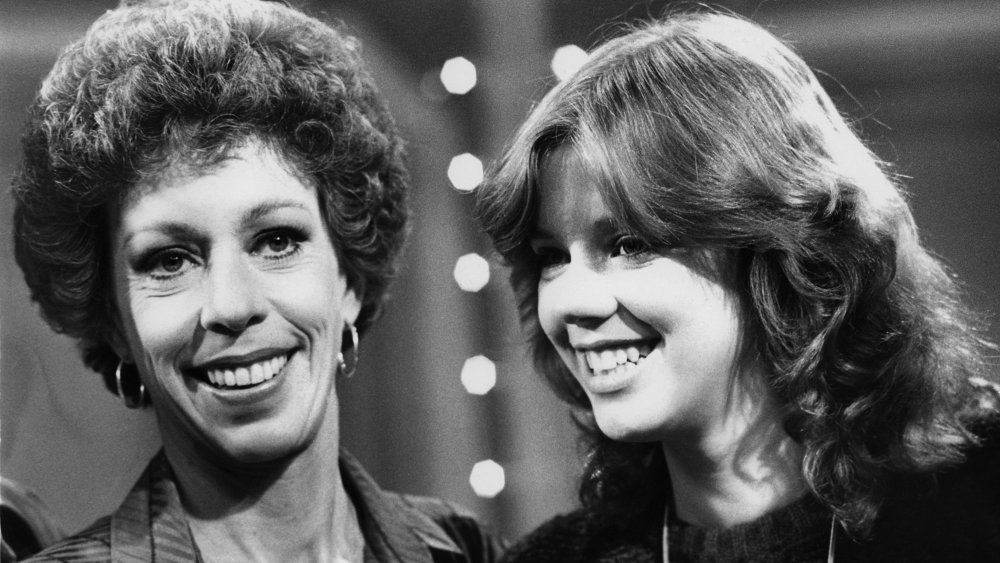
830 550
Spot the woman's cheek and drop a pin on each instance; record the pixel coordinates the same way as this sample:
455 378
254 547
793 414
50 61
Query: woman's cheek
546 316
165 326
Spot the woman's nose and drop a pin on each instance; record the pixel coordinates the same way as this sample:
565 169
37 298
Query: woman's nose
580 295
233 299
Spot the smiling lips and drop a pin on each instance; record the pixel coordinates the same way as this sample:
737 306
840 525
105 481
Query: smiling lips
245 376
611 360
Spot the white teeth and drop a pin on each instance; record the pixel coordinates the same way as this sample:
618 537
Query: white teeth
243 376
608 360
257 372
632 353
615 359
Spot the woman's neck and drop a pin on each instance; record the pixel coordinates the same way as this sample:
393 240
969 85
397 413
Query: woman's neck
743 468
296 510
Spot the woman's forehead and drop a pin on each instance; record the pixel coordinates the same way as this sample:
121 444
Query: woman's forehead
183 163
571 195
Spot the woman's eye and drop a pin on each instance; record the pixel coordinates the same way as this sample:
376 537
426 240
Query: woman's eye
277 245
168 263
629 246
171 263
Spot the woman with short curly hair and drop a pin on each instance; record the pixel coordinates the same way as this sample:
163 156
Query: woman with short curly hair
729 288
213 201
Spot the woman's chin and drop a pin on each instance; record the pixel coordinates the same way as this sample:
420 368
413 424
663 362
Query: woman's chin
623 429
255 452
247 446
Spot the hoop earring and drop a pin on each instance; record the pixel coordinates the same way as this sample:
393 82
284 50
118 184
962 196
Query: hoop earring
342 366
129 402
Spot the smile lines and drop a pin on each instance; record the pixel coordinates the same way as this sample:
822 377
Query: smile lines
243 376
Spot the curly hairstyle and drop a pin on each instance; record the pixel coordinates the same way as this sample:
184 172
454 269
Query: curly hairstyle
185 83
705 131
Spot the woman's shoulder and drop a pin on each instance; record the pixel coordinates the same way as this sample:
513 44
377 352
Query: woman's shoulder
559 539
91 545
444 513
952 514
477 540
578 536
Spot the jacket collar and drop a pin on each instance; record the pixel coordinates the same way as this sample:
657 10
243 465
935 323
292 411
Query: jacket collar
394 529
150 525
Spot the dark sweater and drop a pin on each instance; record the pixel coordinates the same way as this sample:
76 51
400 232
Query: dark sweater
953 515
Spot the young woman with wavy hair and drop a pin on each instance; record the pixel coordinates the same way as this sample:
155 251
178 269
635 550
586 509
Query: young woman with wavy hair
729 289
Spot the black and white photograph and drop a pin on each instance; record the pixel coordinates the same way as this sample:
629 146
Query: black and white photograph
515 281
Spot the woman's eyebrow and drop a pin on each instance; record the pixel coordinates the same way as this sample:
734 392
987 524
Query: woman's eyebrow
177 229
608 225
263 208
173 229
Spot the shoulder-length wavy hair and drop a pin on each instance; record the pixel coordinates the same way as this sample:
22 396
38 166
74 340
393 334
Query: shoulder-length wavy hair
184 83
705 131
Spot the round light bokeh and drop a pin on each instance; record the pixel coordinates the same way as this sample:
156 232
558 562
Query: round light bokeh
465 172
458 75
567 60
487 478
479 375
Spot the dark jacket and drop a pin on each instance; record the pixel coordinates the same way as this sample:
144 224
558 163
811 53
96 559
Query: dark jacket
150 526
949 516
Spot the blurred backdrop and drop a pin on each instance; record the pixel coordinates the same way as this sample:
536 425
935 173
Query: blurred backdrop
921 80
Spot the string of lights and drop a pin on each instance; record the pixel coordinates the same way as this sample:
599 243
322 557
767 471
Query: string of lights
459 76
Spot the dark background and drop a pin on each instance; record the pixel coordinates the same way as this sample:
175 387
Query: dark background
921 80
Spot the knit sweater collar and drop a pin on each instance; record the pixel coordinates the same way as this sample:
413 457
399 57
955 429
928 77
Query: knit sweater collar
797 532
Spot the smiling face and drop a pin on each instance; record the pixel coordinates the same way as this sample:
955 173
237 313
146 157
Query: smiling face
652 342
231 302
